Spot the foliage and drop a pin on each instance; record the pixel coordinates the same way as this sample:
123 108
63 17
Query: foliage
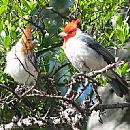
100 18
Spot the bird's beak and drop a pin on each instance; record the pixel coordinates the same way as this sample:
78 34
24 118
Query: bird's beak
62 34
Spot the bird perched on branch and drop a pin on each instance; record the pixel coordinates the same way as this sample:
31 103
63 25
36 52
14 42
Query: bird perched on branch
86 55
21 65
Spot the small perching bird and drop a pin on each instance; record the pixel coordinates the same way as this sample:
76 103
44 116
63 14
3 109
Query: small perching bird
20 60
86 55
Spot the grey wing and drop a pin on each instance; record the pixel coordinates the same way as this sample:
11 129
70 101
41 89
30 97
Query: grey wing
108 57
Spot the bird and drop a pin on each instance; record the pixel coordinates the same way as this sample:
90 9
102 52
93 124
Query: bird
20 60
86 54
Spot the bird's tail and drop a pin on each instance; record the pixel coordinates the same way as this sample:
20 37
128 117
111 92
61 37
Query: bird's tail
119 85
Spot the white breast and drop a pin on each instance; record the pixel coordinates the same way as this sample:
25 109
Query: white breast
18 65
82 57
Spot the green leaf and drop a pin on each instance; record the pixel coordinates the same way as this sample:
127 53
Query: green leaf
26 4
128 70
5 2
118 70
118 21
3 6
2 9
119 34
123 70
7 41
126 29
1 25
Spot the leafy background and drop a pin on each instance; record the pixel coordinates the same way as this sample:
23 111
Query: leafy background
107 21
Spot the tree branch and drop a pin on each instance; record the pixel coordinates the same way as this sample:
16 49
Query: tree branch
70 115
112 106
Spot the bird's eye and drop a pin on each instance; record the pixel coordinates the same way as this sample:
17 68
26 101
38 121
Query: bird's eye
70 32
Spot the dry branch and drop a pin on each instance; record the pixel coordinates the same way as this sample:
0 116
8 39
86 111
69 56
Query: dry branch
68 111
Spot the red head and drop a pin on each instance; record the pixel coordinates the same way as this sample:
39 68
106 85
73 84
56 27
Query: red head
27 40
70 29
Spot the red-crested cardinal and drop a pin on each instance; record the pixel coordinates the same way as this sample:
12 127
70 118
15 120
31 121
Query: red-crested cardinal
21 65
86 55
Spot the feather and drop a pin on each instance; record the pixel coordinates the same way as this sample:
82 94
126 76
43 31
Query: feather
27 39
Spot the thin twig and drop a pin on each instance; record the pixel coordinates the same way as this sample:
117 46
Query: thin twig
48 49
127 12
49 96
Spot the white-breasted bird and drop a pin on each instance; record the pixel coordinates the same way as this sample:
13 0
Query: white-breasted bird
20 61
86 55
